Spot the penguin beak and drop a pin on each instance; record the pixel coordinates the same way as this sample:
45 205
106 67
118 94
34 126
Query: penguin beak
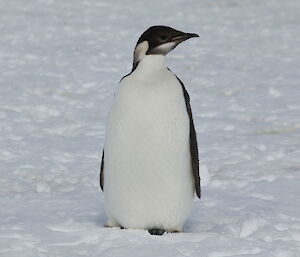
183 37
190 35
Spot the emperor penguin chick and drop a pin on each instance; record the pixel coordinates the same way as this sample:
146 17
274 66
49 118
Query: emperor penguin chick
150 167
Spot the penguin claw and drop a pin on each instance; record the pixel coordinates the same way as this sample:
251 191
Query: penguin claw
174 231
156 231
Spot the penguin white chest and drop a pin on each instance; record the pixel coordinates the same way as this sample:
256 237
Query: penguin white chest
147 174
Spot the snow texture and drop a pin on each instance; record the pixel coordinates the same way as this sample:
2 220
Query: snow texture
60 64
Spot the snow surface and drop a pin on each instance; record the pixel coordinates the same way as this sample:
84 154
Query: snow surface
60 62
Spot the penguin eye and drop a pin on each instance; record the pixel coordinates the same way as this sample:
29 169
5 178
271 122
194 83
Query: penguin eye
163 37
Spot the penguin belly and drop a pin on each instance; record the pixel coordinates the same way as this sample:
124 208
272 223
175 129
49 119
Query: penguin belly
148 180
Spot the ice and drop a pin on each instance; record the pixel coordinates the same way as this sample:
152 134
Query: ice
273 92
204 174
250 226
43 188
60 63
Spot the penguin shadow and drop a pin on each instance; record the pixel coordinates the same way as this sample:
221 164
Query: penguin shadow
100 221
207 218
191 225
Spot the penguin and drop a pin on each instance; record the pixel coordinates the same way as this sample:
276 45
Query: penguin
150 168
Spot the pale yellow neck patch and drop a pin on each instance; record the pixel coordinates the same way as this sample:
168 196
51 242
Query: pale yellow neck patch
140 51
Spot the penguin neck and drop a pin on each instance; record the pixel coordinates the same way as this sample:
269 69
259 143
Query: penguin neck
151 63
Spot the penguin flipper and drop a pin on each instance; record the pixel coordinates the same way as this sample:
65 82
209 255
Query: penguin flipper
193 142
102 172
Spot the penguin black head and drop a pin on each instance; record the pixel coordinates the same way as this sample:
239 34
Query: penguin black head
159 40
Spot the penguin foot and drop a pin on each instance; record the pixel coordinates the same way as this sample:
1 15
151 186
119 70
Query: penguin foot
156 231
111 224
174 231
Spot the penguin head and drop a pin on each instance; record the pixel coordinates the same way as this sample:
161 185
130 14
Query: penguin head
159 40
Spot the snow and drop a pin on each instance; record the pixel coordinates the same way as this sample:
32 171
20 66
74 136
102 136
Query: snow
60 62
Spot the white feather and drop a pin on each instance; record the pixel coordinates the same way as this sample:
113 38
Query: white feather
148 180
165 48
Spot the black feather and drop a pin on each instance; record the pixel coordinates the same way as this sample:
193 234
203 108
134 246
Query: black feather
193 142
102 171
